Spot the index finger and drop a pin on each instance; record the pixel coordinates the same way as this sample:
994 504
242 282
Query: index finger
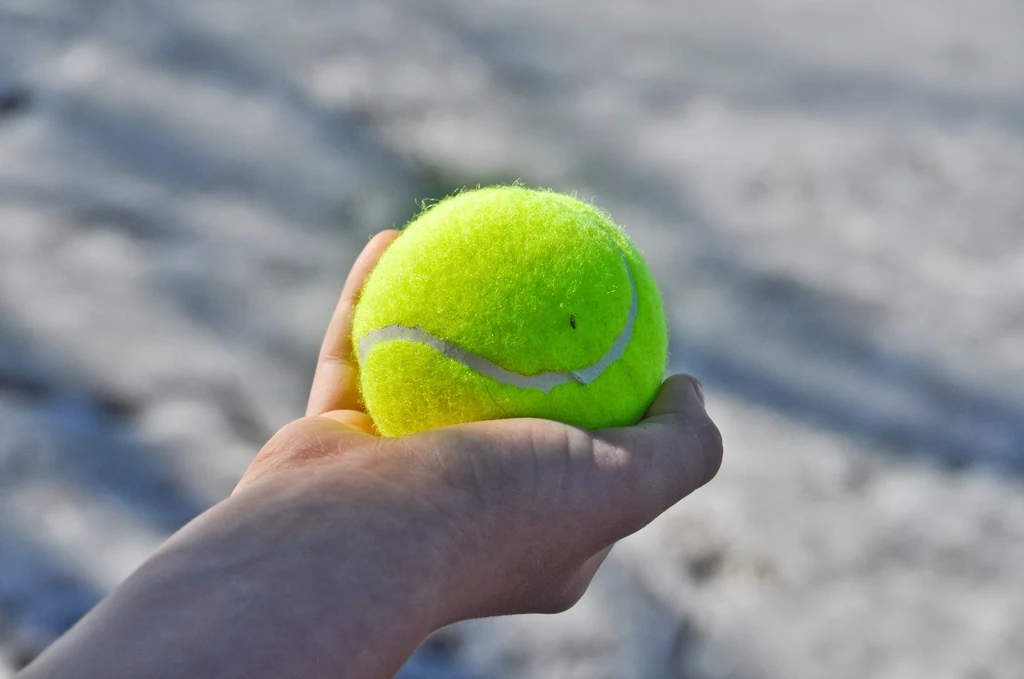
336 381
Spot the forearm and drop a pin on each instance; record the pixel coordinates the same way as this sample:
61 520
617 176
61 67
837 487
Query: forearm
284 580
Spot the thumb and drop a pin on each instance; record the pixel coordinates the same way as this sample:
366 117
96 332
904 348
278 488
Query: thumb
673 451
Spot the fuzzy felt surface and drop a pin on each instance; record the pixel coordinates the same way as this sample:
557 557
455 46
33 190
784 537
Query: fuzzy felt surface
530 280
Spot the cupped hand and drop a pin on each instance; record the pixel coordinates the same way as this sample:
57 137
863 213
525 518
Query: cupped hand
524 509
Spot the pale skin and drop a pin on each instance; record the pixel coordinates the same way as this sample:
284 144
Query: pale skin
340 551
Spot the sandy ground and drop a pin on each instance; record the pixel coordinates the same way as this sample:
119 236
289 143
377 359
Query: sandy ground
829 194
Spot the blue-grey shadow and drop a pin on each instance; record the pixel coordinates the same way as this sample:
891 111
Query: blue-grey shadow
836 377
90 435
38 592
85 438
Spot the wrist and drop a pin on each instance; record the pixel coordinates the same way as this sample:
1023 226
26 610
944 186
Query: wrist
404 522
299 575
336 536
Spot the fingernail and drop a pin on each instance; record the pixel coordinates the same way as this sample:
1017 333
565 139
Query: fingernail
698 387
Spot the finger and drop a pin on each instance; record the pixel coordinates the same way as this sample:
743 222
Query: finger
680 396
356 420
678 414
673 451
336 381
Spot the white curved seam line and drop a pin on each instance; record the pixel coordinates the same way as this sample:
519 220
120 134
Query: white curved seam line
545 381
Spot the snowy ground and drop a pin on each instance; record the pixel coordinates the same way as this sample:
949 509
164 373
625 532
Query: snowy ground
829 194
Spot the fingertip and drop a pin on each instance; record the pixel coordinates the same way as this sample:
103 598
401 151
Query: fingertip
385 236
698 387
336 380
679 395
680 404
712 448
672 452
365 263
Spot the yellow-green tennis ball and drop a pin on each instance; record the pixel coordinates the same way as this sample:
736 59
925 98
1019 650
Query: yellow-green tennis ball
509 302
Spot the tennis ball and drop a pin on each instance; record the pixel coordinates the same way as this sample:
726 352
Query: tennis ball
509 302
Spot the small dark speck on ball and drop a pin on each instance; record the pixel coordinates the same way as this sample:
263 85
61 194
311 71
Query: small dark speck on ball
572 321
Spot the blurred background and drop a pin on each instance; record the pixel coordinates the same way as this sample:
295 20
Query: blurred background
830 194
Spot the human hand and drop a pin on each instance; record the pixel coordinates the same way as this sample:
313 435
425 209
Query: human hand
340 551
522 511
